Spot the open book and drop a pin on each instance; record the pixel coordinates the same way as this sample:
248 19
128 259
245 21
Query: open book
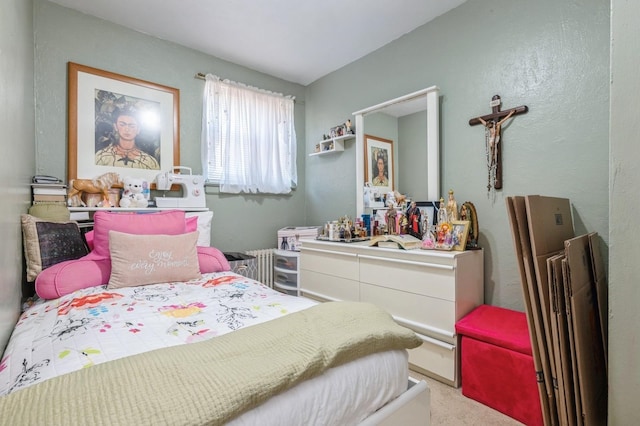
406 241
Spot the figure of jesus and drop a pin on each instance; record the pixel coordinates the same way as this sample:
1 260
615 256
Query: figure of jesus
494 131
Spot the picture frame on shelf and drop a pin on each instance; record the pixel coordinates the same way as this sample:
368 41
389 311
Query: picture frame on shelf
460 230
337 131
378 163
104 108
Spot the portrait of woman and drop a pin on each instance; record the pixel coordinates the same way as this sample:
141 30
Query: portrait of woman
379 162
125 132
381 167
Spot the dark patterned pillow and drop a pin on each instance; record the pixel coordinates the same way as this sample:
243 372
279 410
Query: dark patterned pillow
47 243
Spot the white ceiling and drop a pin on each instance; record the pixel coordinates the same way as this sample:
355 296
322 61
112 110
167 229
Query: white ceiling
296 40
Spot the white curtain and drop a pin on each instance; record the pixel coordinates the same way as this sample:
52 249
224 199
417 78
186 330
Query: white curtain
248 138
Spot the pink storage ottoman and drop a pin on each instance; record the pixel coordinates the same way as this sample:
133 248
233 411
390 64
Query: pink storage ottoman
497 364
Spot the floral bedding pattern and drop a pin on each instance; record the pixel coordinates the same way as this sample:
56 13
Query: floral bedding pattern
95 325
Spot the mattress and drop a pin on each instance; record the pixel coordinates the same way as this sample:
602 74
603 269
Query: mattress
96 325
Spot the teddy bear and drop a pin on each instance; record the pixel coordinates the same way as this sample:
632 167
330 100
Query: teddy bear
133 195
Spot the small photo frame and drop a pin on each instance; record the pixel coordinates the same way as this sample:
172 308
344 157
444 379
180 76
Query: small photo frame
338 131
460 230
428 209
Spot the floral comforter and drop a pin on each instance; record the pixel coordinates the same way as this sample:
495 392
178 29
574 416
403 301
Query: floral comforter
96 325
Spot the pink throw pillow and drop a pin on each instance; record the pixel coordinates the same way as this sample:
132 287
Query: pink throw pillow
88 237
191 224
151 259
170 222
67 277
212 260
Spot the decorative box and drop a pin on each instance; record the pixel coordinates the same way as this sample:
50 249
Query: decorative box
497 363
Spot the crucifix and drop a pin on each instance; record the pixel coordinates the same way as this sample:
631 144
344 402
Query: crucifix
493 126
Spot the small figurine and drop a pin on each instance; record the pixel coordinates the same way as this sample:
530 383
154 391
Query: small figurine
452 207
349 129
391 218
414 220
442 213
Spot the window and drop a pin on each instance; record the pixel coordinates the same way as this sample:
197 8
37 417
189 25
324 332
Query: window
248 138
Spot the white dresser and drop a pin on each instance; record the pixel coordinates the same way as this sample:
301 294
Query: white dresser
425 290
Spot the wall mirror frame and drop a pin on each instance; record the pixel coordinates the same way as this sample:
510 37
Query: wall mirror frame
421 100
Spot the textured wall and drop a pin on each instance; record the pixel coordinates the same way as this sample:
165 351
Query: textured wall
624 180
18 158
555 63
61 35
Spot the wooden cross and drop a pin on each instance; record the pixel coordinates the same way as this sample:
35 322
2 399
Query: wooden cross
493 125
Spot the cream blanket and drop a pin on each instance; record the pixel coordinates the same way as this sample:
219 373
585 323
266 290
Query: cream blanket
213 381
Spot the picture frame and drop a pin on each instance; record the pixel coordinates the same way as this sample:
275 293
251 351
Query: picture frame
378 176
429 208
460 230
95 98
468 212
337 131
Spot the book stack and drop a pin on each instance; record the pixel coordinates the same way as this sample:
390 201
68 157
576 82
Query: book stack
49 191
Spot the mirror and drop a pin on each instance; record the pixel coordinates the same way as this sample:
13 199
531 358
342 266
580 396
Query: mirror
399 123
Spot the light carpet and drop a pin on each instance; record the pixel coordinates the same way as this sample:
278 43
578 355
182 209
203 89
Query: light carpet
450 408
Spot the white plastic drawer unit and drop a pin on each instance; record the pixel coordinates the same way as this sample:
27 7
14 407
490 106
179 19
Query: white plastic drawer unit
285 276
289 262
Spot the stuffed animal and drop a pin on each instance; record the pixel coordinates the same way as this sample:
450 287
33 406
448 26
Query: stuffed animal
133 196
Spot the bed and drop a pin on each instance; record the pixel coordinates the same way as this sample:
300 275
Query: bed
217 348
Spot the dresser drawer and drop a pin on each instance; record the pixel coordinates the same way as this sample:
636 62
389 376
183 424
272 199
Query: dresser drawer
426 315
334 263
285 262
433 280
434 357
328 287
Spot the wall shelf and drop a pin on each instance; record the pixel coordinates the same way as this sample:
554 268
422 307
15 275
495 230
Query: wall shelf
333 145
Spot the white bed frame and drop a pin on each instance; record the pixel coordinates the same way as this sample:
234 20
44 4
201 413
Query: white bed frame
412 408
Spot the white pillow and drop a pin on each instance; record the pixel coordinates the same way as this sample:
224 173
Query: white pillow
204 226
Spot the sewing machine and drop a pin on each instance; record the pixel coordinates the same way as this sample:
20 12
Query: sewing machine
192 189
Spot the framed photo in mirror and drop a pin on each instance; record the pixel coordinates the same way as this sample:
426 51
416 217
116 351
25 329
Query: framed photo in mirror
378 163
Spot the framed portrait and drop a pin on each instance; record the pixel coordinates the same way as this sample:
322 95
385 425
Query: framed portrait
120 124
468 212
378 163
428 209
460 230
